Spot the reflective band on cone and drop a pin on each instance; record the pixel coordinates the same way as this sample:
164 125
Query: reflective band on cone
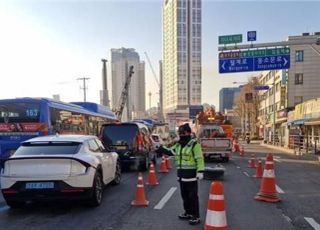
218 221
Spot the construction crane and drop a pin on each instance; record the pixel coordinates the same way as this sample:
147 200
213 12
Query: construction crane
124 94
155 77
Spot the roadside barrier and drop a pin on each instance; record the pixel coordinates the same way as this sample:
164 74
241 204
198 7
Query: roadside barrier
152 179
252 162
163 166
259 170
140 199
268 191
168 165
216 214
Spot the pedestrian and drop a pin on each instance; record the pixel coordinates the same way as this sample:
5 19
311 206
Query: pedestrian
190 167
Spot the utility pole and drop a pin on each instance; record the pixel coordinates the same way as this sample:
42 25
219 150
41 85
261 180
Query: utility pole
104 97
84 79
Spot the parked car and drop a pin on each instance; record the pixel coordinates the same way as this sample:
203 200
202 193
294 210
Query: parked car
131 140
59 167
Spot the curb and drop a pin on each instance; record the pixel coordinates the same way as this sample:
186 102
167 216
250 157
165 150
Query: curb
290 151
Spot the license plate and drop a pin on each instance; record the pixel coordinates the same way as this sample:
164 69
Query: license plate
40 185
121 147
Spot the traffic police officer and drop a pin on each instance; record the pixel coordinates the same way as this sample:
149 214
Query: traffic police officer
190 167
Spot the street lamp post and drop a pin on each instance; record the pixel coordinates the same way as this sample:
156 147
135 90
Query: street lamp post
274 110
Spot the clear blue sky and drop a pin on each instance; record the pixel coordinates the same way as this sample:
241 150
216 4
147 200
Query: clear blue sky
51 43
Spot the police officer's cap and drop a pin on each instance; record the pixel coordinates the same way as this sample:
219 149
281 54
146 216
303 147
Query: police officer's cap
184 128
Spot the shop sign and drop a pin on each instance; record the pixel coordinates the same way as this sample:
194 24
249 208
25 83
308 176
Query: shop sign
298 112
282 114
283 96
290 116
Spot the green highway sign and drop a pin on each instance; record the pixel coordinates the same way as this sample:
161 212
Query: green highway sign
253 53
265 52
230 39
278 51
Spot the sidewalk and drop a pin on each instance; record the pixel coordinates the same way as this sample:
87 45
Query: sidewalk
291 151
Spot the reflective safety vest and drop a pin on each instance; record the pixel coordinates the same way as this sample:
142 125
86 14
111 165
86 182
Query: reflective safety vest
189 159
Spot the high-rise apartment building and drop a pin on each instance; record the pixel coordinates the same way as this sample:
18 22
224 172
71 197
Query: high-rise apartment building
121 60
181 54
226 98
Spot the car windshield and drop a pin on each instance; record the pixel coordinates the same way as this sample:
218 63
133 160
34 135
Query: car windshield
119 134
48 148
210 132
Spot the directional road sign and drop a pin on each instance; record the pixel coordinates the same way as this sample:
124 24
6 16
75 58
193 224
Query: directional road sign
261 87
271 62
251 36
248 64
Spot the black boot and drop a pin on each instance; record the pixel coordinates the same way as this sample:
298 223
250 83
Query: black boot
194 220
185 216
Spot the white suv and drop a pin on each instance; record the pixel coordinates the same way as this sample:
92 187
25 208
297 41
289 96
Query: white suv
59 167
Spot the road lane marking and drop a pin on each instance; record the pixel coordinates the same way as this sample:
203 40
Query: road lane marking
164 199
279 190
245 173
277 160
238 167
313 223
4 208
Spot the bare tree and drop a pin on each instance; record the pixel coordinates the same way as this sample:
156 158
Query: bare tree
247 107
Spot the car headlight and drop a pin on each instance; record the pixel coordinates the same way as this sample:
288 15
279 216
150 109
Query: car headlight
77 168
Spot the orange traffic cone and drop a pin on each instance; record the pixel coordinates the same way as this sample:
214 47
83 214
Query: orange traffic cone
140 199
168 165
242 151
216 214
163 166
237 147
152 179
268 191
259 170
252 162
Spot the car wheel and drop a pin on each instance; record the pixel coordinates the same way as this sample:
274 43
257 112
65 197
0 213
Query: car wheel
225 159
15 204
97 190
117 176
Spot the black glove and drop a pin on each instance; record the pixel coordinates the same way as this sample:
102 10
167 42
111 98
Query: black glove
159 150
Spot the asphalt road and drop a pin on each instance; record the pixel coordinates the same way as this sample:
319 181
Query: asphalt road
297 177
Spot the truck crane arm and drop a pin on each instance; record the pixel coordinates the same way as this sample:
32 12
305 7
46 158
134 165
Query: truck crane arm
124 94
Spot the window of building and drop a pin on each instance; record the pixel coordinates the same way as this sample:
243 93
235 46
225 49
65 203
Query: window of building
298 100
299 55
298 79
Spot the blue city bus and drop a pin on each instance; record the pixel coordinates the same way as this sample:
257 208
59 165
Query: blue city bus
25 118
